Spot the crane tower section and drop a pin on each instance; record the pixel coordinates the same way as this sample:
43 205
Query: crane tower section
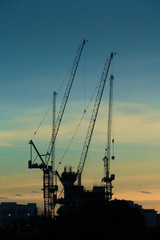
109 178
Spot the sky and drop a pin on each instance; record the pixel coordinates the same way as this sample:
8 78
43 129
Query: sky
38 43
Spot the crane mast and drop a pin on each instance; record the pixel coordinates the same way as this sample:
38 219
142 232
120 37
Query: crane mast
53 185
93 118
48 171
108 179
53 134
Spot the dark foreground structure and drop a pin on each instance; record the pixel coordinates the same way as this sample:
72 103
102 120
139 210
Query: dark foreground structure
95 220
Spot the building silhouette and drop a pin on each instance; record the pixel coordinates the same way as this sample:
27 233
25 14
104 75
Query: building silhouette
10 212
150 215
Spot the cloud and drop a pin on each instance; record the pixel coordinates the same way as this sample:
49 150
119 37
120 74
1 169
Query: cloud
132 123
145 192
136 123
3 197
34 192
4 144
20 181
19 195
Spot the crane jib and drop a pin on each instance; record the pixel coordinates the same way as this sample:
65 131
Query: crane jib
65 99
93 118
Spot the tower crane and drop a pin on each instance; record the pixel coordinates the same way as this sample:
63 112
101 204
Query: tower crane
48 188
109 178
93 118
74 195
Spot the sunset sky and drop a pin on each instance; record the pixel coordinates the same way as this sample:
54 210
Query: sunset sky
38 43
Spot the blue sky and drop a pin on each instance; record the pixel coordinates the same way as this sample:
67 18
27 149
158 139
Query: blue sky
39 39
38 43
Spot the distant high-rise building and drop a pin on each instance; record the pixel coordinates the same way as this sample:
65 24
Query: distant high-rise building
11 212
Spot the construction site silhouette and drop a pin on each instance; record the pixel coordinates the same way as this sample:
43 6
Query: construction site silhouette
94 220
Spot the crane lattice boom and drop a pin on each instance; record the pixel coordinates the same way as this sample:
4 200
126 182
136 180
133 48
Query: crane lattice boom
93 118
64 101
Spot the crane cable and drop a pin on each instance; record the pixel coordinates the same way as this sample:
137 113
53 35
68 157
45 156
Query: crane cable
84 78
48 109
39 125
85 110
